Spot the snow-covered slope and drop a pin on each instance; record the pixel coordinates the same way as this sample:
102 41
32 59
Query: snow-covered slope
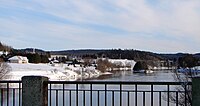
123 62
53 73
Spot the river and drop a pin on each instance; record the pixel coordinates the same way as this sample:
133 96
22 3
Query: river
160 75
157 76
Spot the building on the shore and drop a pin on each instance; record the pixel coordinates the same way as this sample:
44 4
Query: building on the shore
58 58
18 59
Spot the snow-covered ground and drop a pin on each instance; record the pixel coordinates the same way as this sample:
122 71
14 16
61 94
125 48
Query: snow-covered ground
60 71
53 72
195 69
123 63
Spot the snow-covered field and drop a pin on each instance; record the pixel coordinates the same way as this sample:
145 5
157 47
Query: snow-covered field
60 71
53 72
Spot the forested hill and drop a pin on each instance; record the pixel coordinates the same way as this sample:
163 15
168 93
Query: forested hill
130 54
77 52
113 54
123 54
177 55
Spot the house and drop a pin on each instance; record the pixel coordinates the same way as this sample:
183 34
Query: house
18 59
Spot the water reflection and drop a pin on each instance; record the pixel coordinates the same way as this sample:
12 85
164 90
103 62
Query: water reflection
112 96
162 75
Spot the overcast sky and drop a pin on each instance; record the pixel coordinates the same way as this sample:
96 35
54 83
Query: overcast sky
165 26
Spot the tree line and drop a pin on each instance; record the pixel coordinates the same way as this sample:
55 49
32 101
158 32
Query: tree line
32 57
189 61
129 54
4 47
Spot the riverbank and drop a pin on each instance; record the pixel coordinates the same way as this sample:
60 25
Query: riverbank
53 72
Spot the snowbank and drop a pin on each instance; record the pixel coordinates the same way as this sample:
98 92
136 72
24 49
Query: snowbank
55 72
124 63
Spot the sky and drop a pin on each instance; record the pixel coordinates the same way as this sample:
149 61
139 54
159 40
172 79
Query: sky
162 26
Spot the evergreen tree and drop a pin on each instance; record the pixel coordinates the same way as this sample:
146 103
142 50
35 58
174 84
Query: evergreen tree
44 59
187 61
140 66
33 58
48 54
37 58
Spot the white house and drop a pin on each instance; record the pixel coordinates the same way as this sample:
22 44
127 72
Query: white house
18 59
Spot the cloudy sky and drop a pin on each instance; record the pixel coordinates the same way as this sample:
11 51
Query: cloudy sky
154 25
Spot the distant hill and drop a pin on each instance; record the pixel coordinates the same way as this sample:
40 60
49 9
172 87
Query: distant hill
112 53
177 55
123 54
31 50
197 55
76 52
131 54
172 56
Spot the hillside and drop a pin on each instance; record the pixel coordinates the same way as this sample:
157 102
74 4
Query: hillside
112 53
123 54
130 54
31 50
77 52
172 56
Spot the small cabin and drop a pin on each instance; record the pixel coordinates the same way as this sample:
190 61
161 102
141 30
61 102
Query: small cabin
18 59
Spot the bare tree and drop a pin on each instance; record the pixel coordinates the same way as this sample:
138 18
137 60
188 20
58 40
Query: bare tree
87 61
187 62
4 69
104 64
185 94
